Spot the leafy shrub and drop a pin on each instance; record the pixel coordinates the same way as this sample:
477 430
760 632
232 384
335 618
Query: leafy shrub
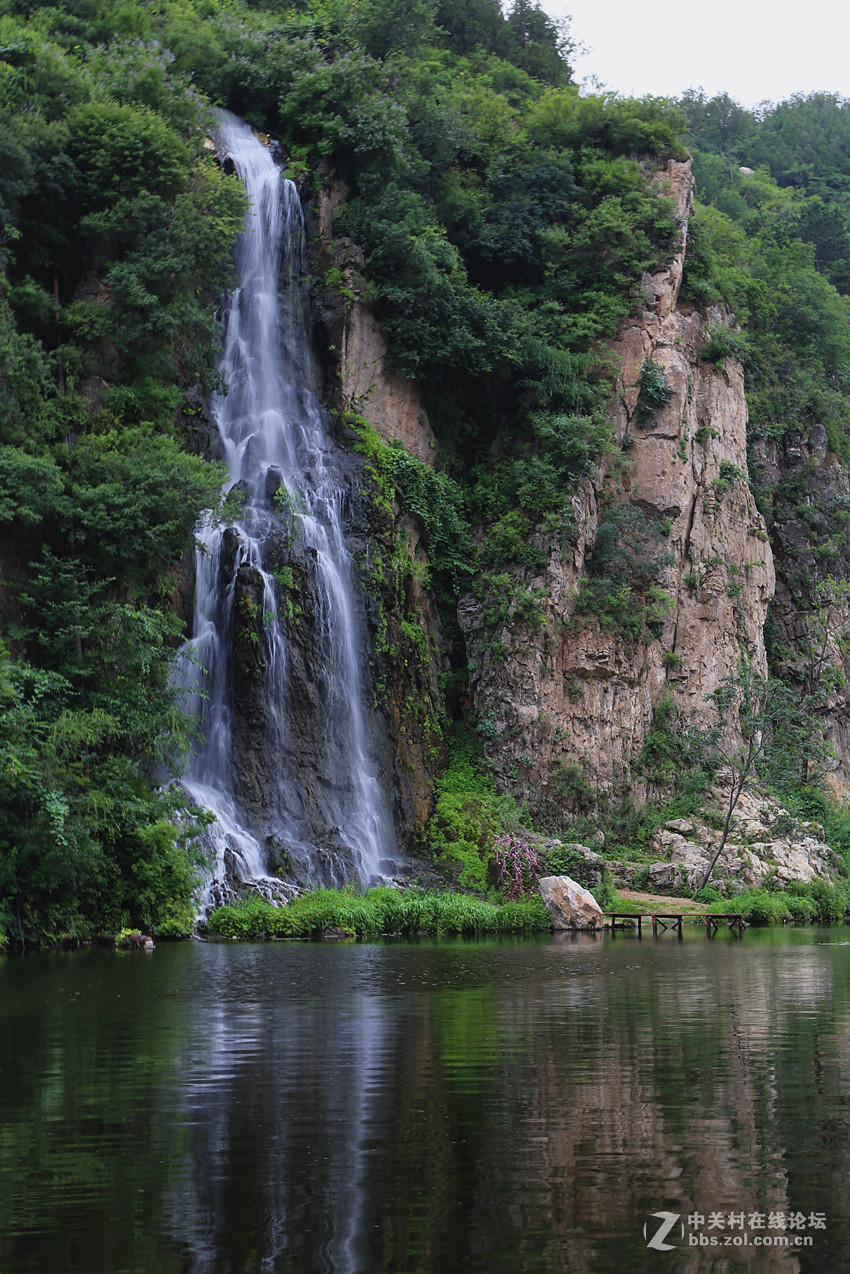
627 558
829 902
466 815
563 861
803 909
759 907
614 605
437 503
605 893
710 894
722 343
121 150
819 902
432 316
622 126
561 451
657 607
629 547
730 472
654 391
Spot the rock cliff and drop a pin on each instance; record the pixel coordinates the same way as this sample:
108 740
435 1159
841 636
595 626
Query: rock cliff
363 379
805 491
402 622
575 692
567 702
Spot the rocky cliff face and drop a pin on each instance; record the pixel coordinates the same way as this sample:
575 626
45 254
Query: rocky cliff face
363 380
402 622
576 693
571 700
806 492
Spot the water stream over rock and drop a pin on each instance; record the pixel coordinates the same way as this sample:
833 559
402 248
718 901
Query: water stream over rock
287 765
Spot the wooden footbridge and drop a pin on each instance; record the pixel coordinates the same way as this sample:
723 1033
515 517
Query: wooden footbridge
673 920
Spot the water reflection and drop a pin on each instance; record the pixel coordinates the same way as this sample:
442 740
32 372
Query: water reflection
449 1106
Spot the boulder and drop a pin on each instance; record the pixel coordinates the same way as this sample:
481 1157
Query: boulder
138 941
664 878
592 868
569 905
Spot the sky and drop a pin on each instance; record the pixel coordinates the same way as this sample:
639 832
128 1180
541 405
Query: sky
754 50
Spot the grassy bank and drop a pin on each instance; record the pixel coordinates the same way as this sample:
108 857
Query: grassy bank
385 912
374 913
818 903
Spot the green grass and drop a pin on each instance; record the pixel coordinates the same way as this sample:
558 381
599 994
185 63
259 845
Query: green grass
376 912
817 903
383 912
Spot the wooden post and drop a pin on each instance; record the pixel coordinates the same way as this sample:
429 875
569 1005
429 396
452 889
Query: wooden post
734 921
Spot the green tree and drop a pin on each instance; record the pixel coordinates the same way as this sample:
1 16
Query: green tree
386 27
539 44
722 126
805 142
472 24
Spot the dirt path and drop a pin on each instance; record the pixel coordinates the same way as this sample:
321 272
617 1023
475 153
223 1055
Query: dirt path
659 902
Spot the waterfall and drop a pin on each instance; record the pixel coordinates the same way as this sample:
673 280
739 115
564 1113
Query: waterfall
286 765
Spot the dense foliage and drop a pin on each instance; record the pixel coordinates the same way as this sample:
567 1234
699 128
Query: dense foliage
117 233
771 240
506 222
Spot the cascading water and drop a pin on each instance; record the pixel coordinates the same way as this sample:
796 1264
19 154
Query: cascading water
290 777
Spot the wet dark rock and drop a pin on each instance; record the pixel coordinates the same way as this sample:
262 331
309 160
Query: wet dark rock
274 482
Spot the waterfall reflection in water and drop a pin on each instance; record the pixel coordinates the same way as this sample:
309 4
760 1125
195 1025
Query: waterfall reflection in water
485 1107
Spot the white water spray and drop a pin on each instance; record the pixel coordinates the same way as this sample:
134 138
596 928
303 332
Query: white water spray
329 817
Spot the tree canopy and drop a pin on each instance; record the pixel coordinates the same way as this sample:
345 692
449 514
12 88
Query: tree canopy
506 221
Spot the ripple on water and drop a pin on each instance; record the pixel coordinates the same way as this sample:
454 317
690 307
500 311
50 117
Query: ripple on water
448 1105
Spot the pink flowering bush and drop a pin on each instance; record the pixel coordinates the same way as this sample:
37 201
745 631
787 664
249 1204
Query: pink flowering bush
517 865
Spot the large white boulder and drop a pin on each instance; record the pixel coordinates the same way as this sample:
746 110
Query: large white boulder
569 905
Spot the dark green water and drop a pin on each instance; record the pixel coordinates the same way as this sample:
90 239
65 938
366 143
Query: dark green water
448 1106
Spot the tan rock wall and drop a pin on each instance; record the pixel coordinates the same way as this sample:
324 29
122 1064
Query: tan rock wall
389 401
367 384
401 616
572 693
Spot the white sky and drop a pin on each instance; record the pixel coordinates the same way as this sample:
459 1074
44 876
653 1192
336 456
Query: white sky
752 49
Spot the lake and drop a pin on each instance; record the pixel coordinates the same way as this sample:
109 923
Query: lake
447 1105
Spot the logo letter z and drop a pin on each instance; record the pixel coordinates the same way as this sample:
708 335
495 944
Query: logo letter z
668 1220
